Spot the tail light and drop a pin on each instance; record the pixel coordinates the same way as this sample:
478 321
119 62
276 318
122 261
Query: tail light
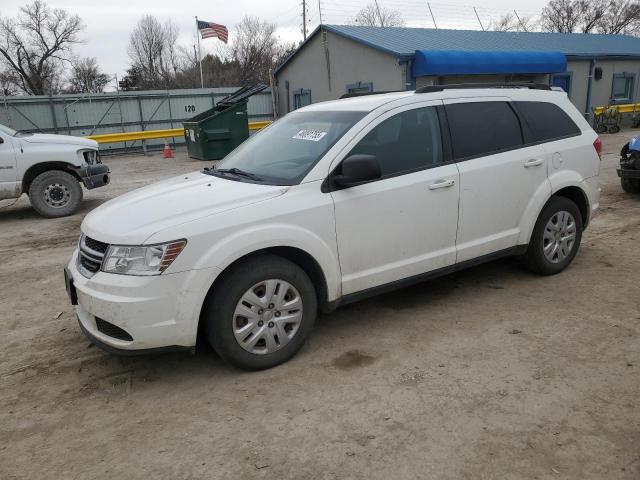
597 144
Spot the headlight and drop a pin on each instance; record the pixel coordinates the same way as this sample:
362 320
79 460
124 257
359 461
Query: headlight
142 260
91 157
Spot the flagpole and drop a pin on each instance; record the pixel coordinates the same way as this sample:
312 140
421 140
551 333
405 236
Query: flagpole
199 53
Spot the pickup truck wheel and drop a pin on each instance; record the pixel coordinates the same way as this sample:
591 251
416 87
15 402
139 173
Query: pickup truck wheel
55 194
261 313
556 237
630 185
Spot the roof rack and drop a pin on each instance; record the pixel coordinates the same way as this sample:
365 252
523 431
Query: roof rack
440 88
363 94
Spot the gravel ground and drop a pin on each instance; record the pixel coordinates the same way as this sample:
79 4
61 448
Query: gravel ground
491 373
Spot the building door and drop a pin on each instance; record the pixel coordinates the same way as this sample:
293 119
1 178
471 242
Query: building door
562 81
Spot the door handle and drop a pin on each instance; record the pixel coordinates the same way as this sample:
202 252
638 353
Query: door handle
442 184
534 162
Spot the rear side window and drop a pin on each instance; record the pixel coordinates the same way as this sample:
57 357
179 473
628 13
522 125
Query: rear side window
483 128
547 121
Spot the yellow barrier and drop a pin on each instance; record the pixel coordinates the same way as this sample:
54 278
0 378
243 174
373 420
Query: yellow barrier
624 108
155 134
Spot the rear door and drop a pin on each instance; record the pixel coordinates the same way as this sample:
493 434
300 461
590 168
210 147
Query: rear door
499 175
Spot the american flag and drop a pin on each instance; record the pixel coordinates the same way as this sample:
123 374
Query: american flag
208 29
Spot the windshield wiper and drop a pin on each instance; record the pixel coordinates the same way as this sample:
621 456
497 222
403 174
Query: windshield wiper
238 173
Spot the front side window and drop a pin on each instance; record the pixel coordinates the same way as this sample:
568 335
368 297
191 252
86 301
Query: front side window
405 142
285 152
483 128
547 121
622 90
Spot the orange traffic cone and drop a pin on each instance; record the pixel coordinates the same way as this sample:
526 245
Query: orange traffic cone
166 152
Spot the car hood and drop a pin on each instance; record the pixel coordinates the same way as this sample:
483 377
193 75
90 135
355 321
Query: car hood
59 139
135 216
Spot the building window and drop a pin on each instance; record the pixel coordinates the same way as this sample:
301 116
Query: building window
562 80
360 87
301 98
622 90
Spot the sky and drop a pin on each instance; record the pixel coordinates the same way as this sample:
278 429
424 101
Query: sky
108 23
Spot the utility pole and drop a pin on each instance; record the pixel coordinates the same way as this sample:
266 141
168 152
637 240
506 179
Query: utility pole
320 11
379 14
520 21
304 19
478 17
432 17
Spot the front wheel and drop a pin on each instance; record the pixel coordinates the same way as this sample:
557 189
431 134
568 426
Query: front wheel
556 237
260 312
55 194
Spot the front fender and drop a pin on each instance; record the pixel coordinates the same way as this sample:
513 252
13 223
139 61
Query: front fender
253 239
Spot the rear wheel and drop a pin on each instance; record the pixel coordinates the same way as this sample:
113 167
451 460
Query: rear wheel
261 312
630 185
55 194
556 237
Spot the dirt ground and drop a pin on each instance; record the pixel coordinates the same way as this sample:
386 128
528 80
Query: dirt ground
492 373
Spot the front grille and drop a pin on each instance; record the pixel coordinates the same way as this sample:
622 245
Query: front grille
95 245
111 330
90 255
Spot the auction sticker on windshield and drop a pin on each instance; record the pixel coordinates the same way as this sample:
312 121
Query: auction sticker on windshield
313 135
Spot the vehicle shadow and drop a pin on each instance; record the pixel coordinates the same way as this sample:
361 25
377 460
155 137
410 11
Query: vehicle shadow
22 211
340 324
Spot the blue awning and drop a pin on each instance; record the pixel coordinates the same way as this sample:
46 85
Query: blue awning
453 62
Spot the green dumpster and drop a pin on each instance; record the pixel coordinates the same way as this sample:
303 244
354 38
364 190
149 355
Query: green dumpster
211 135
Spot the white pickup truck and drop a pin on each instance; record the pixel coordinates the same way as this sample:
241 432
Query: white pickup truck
49 168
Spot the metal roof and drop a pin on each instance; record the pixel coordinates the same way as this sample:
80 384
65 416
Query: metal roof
403 42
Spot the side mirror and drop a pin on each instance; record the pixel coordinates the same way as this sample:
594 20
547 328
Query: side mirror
358 169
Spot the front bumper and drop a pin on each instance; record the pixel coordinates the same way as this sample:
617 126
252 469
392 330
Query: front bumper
628 173
157 312
94 176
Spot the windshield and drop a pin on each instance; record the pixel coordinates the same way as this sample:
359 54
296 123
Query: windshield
7 130
284 153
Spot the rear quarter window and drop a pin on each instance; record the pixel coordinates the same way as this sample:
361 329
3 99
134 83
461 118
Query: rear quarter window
546 121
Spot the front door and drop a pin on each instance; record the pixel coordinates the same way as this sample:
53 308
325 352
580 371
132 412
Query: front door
499 175
403 224
7 168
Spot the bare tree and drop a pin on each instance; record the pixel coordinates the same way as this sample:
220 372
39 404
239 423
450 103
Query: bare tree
510 23
588 16
373 15
562 16
36 44
591 13
255 49
8 83
621 16
86 77
154 53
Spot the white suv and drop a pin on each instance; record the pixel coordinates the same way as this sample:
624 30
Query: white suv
334 202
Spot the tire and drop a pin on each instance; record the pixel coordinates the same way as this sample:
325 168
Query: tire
630 185
55 194
546 235
226 327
